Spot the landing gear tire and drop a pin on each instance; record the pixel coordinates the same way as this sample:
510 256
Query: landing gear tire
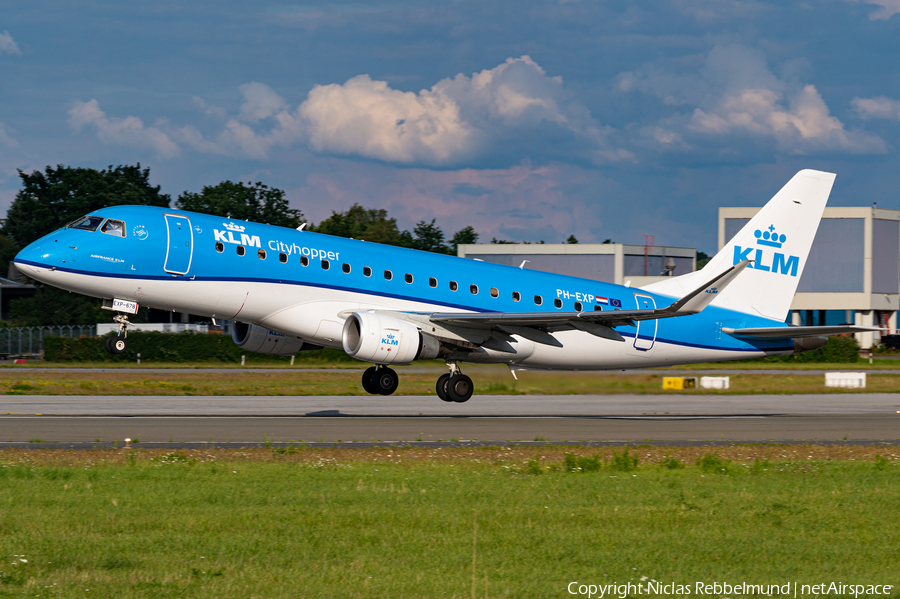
118 345
441 387
460 388
368 382
385 381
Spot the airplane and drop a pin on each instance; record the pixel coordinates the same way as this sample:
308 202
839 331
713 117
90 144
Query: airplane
290 290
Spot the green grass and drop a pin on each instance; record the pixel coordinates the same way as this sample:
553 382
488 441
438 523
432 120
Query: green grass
489 380
417 523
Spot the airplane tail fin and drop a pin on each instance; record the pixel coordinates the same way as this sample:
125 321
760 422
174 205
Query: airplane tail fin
777 240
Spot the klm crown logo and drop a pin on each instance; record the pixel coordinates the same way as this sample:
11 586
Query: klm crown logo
778 263
769 237
233 227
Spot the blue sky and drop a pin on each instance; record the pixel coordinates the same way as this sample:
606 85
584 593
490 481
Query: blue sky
526 119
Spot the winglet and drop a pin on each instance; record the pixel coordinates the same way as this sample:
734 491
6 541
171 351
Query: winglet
700 298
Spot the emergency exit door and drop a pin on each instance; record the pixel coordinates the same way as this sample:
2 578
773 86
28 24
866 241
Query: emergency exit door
645 335
181 244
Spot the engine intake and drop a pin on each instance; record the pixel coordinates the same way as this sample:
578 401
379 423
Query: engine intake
255 338
384 340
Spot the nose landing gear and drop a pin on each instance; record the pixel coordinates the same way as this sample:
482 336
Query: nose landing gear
119 343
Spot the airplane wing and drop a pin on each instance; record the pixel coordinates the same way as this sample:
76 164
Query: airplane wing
792 331
494 330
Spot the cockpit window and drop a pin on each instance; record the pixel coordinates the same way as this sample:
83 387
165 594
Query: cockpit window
114 227
88 223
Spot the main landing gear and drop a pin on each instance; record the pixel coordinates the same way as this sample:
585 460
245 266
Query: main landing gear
119 343
451 387
380 380
454 386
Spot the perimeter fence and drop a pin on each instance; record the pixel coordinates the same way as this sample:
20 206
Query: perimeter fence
30 340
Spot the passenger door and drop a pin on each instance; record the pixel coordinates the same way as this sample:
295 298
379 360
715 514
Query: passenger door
181 244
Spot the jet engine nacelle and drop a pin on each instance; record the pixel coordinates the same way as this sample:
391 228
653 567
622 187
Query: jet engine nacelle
384 340
255 338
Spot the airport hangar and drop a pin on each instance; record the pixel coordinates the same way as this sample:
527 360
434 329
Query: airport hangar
852 275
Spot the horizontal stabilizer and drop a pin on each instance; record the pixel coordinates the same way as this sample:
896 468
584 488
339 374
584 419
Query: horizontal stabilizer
789 332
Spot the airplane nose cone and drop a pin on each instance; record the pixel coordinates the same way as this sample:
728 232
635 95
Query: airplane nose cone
32 260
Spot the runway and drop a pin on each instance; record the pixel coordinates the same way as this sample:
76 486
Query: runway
496 418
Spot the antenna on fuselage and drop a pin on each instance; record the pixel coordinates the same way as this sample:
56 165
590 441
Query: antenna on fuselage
300 228
522 266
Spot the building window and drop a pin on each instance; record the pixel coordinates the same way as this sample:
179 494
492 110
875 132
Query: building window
494 292
538 300
261 253
367 272
304 261
282 257
432 282
240 250
388 275
345 267
516 296
473 289
557 302
408 278
453 286
220 247
578 307
326 264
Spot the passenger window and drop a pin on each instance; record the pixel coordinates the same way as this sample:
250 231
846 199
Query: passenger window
557 302
453 286
494 292
240 250
87 223
516 296
326 264
113 227
261 253
346 268
598 308
408 278
304 261
432 282
367 271
282 257
220 247
538 300
578 307
388 275
473 289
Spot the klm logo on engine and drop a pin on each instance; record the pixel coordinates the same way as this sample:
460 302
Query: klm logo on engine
767 260
390 339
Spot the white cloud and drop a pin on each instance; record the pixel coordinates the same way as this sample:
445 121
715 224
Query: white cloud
129 131
886 8
370 119
735 92
260 102
455 120
8 45
804 125
496 111
877 108
207 108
